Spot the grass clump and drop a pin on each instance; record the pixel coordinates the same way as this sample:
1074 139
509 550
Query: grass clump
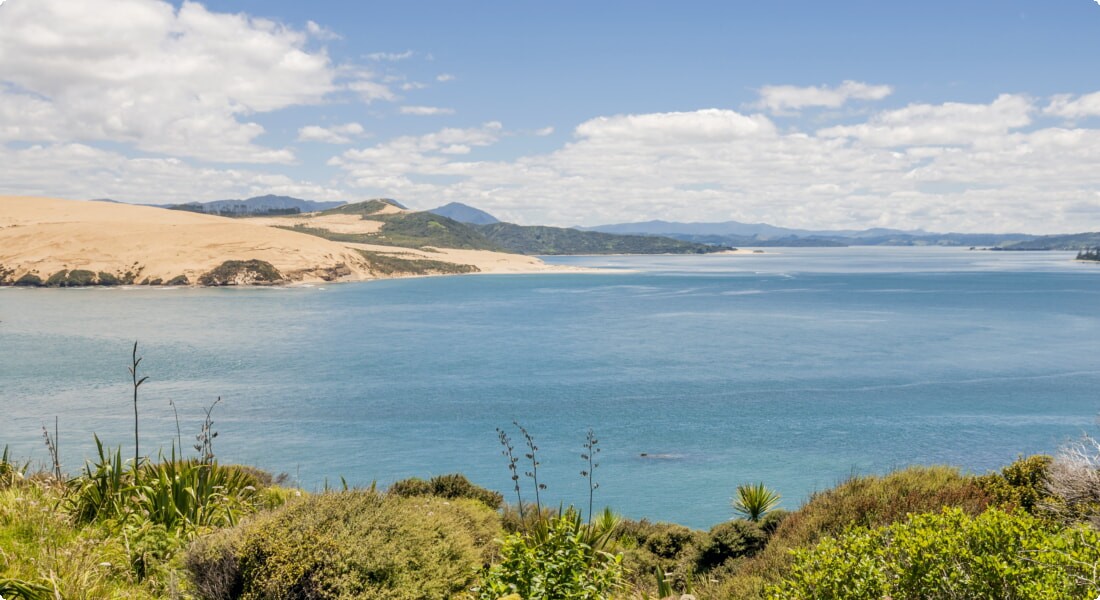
353 544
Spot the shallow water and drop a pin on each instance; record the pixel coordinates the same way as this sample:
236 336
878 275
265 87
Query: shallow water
796 368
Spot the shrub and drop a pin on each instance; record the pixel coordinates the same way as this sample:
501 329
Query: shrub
559 559
29 280
650 547
1021 484
729 540
859 502
241 272
1073 482
106 278
453 485
179 280
357 544
949 555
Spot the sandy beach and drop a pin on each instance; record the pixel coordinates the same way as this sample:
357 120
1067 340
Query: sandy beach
43 236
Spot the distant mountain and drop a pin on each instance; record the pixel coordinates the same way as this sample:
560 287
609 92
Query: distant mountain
734 233
759 231
259 205
1074 241
464 213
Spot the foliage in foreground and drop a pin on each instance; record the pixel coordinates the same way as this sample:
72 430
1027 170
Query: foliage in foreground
871 501
949 555
561 558
354 544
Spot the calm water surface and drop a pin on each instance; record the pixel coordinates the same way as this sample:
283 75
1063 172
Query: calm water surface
796 368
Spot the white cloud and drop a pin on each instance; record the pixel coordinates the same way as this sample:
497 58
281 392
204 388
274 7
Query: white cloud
945 167
369 91
391 56
545 131
702 125
1070 107
320 32
426 111
949 123
445 77
783 98
176 81
95 173
337 134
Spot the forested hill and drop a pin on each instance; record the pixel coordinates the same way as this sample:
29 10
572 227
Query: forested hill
560 240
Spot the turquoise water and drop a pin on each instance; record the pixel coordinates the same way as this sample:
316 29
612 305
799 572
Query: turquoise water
796 368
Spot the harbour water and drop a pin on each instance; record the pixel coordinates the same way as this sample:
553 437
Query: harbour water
796 367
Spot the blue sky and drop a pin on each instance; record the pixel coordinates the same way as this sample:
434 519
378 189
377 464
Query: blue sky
962 116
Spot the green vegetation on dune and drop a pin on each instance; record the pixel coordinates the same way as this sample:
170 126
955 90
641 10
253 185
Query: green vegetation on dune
389 265
368 207
408 230
241 272
560 240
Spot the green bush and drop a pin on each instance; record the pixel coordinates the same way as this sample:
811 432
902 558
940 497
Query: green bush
357 544
453 485
29 280
859 502
949 555
730 540
560 559
1021 484
241 272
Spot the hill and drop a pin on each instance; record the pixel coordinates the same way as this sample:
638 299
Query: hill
105 243
1075 241
382 223
464 213
560 240
734 233
64 243
258 205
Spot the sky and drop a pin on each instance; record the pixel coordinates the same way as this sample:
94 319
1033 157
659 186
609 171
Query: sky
977 116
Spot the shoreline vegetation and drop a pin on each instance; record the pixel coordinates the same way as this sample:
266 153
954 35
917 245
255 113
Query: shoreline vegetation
184 525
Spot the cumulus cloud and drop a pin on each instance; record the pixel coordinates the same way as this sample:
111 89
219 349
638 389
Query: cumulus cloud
444 77
700 126
949 123
176 81
1069 106
97 173
426 111
946 167
337 134
784 98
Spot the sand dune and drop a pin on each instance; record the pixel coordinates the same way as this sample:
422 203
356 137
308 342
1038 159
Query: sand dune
44 236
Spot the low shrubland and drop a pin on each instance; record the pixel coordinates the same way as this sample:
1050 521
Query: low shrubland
189 527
